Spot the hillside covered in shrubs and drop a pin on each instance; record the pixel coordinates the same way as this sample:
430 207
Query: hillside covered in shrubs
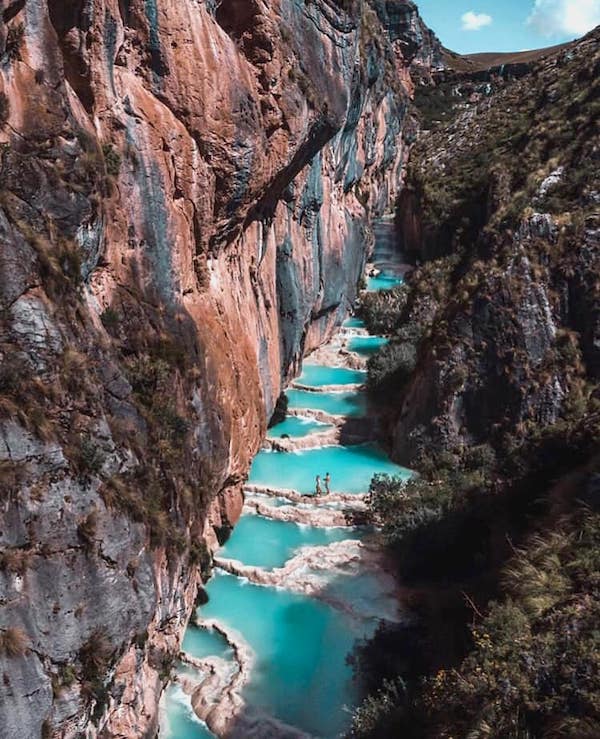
490 389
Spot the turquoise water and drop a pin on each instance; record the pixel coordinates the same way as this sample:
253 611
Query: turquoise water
354 323
261 542
314 375
340 404
202 643
351 468
182 722
383 282
300 675
300 643
367 345
296 427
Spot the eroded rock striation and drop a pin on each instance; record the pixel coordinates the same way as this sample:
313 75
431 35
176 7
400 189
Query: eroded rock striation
185 197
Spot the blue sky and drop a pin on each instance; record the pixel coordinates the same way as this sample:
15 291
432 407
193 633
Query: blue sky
508 25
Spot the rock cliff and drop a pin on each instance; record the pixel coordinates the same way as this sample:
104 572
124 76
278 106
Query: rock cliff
186 191
502 204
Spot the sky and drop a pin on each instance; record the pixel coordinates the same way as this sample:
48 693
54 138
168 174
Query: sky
469 26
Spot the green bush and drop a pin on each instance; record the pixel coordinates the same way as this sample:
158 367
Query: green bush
401 507
382 311
536 661
110 319
391 368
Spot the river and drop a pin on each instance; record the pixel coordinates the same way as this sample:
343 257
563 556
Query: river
300 581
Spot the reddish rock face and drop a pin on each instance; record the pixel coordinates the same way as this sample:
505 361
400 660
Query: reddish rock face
186 192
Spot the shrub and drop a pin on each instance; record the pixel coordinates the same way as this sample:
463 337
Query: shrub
87 530
401 507
391 368
373 716
110 319
89 457
382 311
4 110
64 679
14 42
13 642
112 160
95 656
200 555
15 560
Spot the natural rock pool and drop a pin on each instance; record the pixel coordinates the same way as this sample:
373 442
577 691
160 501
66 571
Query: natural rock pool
265 543
296 427
351 468
351 404
366 345
353 323
314 375
383 281
300 675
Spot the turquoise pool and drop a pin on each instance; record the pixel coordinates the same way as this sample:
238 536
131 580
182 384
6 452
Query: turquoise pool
261 542
180 721
296 427
354 322
351 468
300 675
367 345
383 282
202 643
314 375
338 404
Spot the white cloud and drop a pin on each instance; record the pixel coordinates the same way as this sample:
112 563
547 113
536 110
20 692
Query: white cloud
564 17
475 21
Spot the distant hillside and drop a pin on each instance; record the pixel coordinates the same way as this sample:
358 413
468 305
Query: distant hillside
489 60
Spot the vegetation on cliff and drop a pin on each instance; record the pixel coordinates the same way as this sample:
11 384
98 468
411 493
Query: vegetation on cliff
498 538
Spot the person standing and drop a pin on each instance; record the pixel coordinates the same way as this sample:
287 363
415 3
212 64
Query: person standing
327 482
318 488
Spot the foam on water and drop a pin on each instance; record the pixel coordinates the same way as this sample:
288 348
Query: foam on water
179 719
296 427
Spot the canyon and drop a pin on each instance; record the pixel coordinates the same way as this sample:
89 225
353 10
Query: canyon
187 192
190 195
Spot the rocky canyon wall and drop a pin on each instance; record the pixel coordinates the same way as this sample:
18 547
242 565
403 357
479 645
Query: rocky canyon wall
186 191
501 207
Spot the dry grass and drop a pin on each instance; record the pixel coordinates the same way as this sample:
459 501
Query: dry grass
15 560
489 60
13 642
